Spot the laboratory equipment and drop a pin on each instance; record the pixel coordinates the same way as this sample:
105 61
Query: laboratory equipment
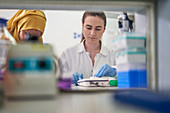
113 81
65 83
30 37
1 95
130 55
30 71
126 40
4 34
95 82
4 45
125 24
130 58
132 75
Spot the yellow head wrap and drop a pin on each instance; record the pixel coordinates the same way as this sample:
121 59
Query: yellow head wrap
26 19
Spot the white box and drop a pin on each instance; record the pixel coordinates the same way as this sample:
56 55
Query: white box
129 40
128 56
131 66
30 71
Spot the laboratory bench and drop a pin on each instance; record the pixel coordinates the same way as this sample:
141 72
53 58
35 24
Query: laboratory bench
75 101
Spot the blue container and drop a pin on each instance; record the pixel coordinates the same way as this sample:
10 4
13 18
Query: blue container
132 79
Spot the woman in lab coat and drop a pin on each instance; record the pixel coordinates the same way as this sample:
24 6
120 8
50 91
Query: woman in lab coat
27 25
90 57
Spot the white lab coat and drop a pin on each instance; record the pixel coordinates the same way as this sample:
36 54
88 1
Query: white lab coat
76 59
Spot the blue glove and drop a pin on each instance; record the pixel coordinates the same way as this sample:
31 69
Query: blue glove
106 71
77 77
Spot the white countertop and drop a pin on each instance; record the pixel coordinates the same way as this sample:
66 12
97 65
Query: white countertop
73 102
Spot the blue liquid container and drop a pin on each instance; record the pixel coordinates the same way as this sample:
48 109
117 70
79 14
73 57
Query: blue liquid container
132 76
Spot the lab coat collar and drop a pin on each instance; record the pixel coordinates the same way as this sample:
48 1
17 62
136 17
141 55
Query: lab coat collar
103 50
81 47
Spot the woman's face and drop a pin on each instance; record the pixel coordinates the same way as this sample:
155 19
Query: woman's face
33 32
93 28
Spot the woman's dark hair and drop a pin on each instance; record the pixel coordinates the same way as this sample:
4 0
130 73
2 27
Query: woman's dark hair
88 13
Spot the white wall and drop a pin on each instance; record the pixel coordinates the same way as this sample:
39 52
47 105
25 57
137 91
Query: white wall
61 28
140 22
111 32
7 14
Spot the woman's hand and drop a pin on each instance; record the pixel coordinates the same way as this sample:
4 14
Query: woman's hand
76 77
106 71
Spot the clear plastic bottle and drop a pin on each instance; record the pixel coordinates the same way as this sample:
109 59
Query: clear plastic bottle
6 40
4 44
3 50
